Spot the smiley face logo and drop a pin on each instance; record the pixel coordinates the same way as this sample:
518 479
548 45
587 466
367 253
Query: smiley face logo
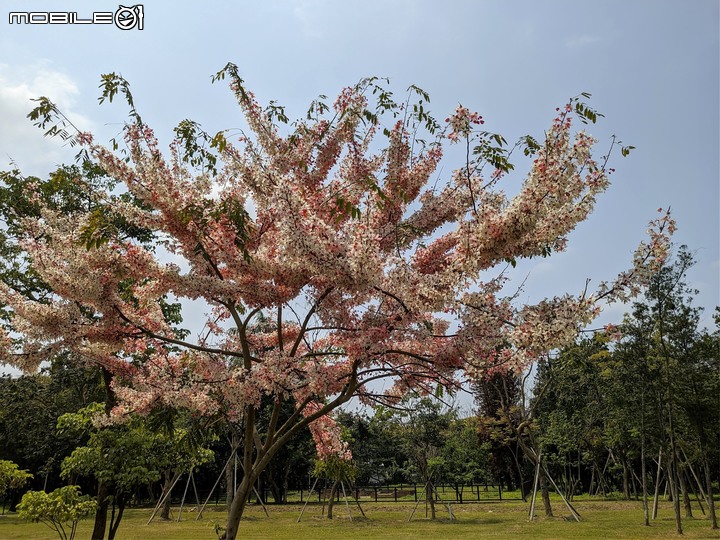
127 18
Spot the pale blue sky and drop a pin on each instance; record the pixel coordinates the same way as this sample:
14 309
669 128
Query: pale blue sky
651 65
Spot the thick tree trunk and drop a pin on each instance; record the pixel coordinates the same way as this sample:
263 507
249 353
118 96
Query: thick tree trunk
115 521
255 458
169 481
237 508
545 494
101 513
250 474
331 499
430 498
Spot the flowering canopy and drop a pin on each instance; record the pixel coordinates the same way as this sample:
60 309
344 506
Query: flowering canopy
325 262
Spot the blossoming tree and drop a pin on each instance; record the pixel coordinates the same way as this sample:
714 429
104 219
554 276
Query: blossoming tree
367 270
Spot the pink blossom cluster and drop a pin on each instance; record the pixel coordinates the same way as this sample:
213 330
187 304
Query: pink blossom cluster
326 434
461 123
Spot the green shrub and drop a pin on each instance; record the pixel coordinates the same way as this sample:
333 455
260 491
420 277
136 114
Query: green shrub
61 509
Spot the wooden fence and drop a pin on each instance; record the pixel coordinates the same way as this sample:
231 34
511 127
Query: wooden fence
413 492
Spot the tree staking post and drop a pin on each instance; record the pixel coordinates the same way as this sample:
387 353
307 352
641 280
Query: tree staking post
162 500
340 470
191 477
531 516
302 511
570 507
227 463
430 489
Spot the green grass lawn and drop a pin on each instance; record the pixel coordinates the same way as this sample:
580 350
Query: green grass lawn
601 519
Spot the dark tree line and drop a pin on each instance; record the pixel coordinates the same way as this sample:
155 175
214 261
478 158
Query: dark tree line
639 416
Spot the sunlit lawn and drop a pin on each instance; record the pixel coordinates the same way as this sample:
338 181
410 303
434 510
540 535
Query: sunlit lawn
507 519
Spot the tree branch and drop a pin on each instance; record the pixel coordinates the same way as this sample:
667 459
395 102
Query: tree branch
174 341
310 313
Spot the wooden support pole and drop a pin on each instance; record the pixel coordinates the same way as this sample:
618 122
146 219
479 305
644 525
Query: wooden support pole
567 503
534 493
162 500
232 454
182 503
308 500
347 503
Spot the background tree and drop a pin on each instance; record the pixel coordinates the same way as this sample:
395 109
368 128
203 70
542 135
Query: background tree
375 442
703 408
621 404
351 250
62 508
11 477
67 191
123 458
465 457
571 413
424 426
177 451
686 374
340 472
29 408
499 400
634 384
118 458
